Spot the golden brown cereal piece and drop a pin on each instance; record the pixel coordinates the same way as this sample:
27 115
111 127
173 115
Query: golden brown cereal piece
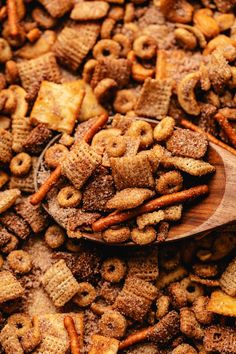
10 287
25 183
49 107
124 43
5 146
117 235
129 15
189 324
33 215
178 295
106 48
4 178
192 289
101 139
162 304
74 43
20 131
113 270
112 324
59 283
10 341
80 163
11 72
154 98
202 314
89 10
67 140
104 345
185 38
207 282
132 172
104 89
145 47
228 279
69 197
164 129
115 146
15 224
33 72
6 53
129 198
222 304
145 236
125 101
180 11
173 213
5 236
143 266
205 270
57 8
55 154
143 130
189 165
219 339
165 330
21 323
8 198
31 337
169 182
149 219
116 13
88 70
186 93
54 236
20 164
184 349
19 261
38 139
219 71
167 278
203 19
11 245
107 28
52 344
85 295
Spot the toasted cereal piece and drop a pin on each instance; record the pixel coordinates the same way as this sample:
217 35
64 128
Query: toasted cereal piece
74 43
143 130
189 324
206 121
178 295
69 197
100 139
222 304
9 340
219 71
38 139
33 72
166 329
57 8
220 339
162 305
4 178
205 270
184 142
167 278
224 5
20 131
54 155
33 215
50 107
10 245
208 282
10 287
19 261
32 337
189 165
193 290
52 344
154 98
162 231
113 270
54 236
25 183
184 349
81 219
129 198
173 213
116 69
104 345
80 163
112 324
85 295
228 279
132 172
5 236
14 223
59 283
20 164
203 315
169 182
143 266
8 198
98 190
21 323
164 129
143 236
150 219
121 122
116 235
5 146
88 11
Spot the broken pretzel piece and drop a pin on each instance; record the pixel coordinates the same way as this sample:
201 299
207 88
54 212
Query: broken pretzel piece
73 335
227 128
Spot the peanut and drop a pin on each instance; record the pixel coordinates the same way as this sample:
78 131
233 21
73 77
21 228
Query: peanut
206 23
185 38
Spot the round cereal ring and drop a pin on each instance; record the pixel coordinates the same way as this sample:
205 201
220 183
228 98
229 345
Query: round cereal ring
193 290
125 101
169 182
55 154
54 236
100 140
145 47
20 164
21 322
145 236
11 245
164 129
143 130
88 70
4 178
69 197
113 269
107 28
116 235
112 324
116 146
85 295
124 43
104 89
19 261
106 48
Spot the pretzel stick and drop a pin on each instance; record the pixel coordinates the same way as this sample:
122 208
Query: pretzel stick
163 201
37 197
227 128
136 338
12 17
73 335
161 64
229 113
187 124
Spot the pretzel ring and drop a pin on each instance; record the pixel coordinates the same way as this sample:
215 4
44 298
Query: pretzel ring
112 324
116 146
69 197
19 261
145 236
193 290
145 47
20 164
88 70
164 129
54 236
21 322
124 43
143 130
113 270
55 154
104 88
125 101
85 295
106 48
169 182
119 235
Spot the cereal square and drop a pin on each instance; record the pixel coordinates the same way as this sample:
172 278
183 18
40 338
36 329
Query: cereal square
104 345
10 287
57 8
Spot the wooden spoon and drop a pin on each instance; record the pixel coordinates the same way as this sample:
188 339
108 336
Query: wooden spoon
212 212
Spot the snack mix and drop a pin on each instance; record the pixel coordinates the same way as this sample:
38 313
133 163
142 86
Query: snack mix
107 112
